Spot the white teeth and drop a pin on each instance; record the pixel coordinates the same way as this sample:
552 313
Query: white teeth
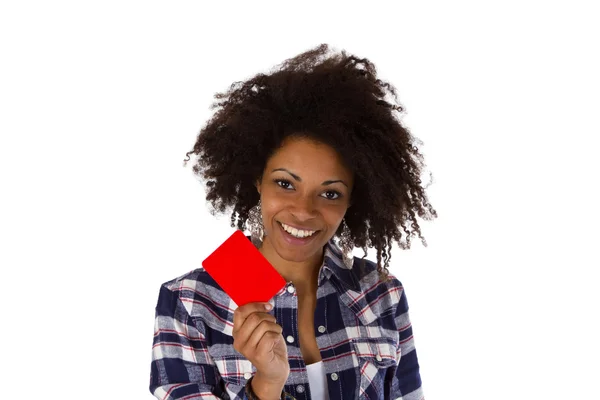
295 232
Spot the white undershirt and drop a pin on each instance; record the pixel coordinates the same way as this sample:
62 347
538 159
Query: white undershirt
317 380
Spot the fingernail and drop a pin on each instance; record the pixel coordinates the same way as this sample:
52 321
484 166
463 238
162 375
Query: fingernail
268 306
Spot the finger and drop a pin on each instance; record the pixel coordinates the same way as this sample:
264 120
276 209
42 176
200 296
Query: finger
241 313
243 333
258 334
267 343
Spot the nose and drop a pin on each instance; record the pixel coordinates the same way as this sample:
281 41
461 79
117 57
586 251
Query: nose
303 208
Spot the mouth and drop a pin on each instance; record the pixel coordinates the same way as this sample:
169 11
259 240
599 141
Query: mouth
293 240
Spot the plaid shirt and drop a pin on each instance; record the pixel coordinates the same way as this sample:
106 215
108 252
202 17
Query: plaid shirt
361 325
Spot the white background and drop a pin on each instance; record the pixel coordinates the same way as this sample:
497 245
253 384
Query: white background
99 102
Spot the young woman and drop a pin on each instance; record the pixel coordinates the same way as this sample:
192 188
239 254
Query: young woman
306 154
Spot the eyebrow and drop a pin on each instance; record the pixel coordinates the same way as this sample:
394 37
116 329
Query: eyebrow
296 177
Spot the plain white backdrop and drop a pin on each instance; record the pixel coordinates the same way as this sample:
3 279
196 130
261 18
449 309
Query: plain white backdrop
100 101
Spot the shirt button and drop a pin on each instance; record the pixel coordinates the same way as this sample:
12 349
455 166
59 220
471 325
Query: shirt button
290 339
322 329
378 357
248 375
334 377
300 389
291 289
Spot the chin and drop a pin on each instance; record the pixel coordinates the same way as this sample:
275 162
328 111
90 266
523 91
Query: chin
298 255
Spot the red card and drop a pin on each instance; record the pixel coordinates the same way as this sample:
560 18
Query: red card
242 271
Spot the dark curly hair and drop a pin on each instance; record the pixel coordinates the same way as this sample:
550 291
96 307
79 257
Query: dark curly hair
336 100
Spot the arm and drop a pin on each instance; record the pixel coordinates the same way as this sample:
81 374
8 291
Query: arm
181 365
406 383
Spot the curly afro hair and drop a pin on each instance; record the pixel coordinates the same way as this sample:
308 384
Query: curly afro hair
336 100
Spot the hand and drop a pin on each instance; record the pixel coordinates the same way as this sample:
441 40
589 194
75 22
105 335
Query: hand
257 336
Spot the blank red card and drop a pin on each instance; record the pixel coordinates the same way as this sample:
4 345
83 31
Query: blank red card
242 271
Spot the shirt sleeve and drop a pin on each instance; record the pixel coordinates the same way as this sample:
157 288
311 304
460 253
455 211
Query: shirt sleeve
406 383
181 365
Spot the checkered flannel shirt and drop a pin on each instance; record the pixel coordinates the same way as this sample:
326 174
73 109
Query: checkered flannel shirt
361 325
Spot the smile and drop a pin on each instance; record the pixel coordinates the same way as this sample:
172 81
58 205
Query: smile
300 238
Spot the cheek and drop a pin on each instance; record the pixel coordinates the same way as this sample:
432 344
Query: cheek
333 219
268 213
273 205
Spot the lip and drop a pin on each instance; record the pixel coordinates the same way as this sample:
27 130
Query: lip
299 227
296 241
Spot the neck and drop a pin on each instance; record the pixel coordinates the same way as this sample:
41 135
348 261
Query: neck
303 274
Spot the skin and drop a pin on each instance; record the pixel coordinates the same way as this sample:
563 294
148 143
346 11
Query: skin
308 203
257 336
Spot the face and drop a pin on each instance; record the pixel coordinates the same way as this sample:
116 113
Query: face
304 185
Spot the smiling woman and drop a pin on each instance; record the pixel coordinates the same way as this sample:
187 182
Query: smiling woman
307 154
305 187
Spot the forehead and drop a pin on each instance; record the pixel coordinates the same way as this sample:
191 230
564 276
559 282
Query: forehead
308 156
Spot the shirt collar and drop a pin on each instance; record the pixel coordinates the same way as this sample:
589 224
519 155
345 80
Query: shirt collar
333 261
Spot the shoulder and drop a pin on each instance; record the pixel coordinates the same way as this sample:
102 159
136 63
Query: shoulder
199 294
193 280
385 294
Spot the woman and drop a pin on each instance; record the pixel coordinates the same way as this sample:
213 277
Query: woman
305 154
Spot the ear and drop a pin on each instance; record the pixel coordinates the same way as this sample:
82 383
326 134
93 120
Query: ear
257 186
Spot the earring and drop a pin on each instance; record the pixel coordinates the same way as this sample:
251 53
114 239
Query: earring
346 245
255 224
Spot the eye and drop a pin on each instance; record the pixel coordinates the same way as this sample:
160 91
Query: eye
284 181
285 184
334 193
